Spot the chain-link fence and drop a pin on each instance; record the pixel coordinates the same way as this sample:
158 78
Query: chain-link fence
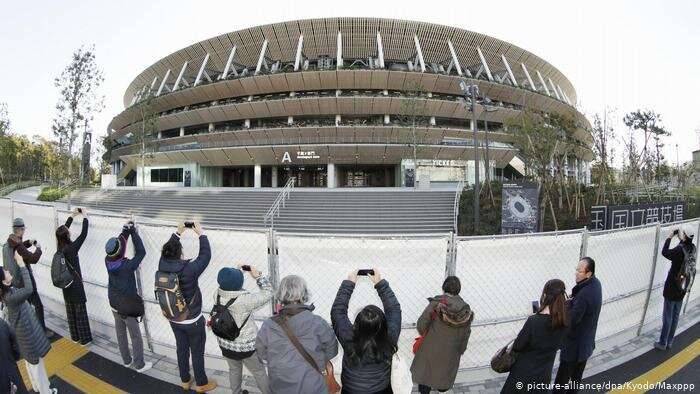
500 274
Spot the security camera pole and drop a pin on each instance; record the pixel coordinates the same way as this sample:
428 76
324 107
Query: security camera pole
471 91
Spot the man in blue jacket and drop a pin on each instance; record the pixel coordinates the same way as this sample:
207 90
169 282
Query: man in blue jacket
190 334
123 295
584 309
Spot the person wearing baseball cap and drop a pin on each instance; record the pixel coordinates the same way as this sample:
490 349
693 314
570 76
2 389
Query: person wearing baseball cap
16 242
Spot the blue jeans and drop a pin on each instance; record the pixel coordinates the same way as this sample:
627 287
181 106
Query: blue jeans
672 309
191 338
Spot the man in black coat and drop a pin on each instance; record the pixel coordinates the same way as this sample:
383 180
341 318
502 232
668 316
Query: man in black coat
579 342
674 291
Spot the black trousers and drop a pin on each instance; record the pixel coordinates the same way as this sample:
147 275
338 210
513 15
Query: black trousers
569 370
190 339
35 301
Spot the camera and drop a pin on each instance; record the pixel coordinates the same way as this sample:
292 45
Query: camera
189 224
365 272
675 232
245 268
535 306
80 210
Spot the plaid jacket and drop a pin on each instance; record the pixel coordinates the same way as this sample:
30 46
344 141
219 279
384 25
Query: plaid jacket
245 304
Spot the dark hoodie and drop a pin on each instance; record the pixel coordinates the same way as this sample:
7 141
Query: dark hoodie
122 281
189 272
22 247
672 289
446 325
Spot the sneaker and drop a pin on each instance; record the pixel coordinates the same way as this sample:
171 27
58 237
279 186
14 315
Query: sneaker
146 366
186 385
128 365
54 391
669 345
659 346
210 386
86 344
49 334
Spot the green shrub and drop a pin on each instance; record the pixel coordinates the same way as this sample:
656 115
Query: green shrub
52 194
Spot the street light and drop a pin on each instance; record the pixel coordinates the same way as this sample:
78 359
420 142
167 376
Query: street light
470 92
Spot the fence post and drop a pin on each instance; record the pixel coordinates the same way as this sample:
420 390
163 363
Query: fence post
144 320
55 217
70 194
273 264
12 210
451 263
687 296
655 257
584 243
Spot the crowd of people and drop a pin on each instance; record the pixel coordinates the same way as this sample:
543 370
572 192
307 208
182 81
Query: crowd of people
291 351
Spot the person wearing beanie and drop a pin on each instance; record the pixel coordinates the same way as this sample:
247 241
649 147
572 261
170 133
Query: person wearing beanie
16 243
123 295
675 286
241 351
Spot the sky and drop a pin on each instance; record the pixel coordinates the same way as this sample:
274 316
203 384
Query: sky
623 55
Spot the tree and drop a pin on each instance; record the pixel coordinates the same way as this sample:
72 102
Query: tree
4 120
413 113
79 100
649 123
538 143
147 133
603 136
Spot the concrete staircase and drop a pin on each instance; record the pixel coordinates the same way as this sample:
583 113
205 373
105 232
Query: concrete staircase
307 210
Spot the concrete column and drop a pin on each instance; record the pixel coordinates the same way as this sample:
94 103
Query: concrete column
387 119
247 123
385 92
257 176
430 94
330 176
432 121
182 131
211 127
160 135
337 120
290 120
274 176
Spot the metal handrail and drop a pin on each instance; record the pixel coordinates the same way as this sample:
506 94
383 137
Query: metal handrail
458 195
281 199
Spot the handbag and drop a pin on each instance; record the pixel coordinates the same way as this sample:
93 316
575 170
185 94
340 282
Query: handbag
329 377
418 342
401 380
130 306
504 359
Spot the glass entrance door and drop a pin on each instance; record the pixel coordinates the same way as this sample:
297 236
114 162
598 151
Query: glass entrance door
305 176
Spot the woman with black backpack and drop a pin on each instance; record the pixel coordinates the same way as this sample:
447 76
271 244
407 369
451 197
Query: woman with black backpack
235 306
74 294
127 304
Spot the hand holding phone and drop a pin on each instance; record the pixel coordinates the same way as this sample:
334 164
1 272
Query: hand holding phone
535 306
245 268
189 224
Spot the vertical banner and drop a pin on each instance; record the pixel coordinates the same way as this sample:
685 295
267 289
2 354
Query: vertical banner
519 208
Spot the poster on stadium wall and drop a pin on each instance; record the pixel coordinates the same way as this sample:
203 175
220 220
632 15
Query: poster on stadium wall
608 217
519 208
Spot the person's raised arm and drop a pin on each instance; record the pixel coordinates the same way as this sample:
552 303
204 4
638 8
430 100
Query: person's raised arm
78 243
339 310
139 249
19 295
671 254
392 308
204 257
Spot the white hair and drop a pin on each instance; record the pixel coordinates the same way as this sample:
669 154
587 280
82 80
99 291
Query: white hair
292 289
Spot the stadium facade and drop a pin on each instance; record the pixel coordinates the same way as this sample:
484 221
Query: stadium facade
336 102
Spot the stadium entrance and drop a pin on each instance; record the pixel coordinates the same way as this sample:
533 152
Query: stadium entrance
366 176
311 175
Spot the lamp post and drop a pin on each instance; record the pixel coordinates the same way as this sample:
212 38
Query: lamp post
470 92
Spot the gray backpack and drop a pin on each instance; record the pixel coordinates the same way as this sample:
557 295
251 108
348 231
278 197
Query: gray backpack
686 275
61 274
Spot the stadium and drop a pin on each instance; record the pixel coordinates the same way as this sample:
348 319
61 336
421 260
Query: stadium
335 103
